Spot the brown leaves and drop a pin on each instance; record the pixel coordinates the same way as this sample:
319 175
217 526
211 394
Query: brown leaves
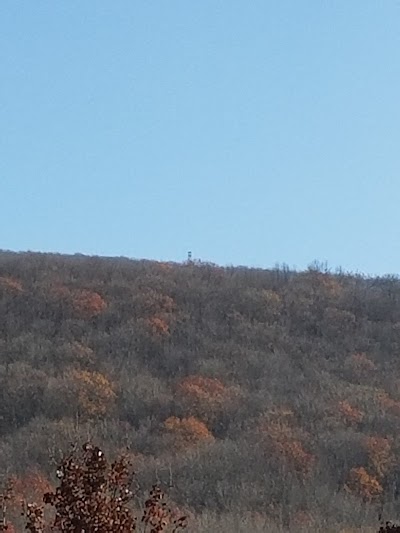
389 528
94 495
34 514
158 516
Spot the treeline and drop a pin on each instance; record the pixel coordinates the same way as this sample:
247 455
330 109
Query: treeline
258 398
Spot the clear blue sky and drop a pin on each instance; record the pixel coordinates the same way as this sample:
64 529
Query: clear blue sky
250 132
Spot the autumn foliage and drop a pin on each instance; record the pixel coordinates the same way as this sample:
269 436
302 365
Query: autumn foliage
206 397
93 392
187 432
380 455
83 303
285 442
158 326
269 394
388 404
350 413
361 364
29 487
364 484
96 495
8 283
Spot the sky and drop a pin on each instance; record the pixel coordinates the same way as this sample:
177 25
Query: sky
249 132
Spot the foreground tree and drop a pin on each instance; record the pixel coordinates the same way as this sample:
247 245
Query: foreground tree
95 495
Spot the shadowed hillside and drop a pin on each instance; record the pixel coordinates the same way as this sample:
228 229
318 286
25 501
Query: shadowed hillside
259 398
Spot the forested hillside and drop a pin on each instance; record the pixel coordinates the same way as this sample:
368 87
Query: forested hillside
259 398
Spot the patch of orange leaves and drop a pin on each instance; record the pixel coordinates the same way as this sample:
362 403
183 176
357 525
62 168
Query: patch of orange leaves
85 303
88 304
188 431
359 362
286 443
200 388
158 326
94 391
388 404
363 484
155 302
207 398
351 414
380 455
11 284
329 284
29 487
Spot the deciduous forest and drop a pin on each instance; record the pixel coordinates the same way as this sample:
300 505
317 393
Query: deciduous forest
259 400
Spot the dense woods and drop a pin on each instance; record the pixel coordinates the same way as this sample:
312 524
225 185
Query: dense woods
259 399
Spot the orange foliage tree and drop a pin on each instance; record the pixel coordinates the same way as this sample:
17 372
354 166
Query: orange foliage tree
387 404
363 484
96 495
187 431
286 442
359 365
83 302
154 302
10 284
324 283
349 413
156 311
157 326
87 304
93 392
206 397
380 455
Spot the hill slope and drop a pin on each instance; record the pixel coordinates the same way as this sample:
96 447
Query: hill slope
268 394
